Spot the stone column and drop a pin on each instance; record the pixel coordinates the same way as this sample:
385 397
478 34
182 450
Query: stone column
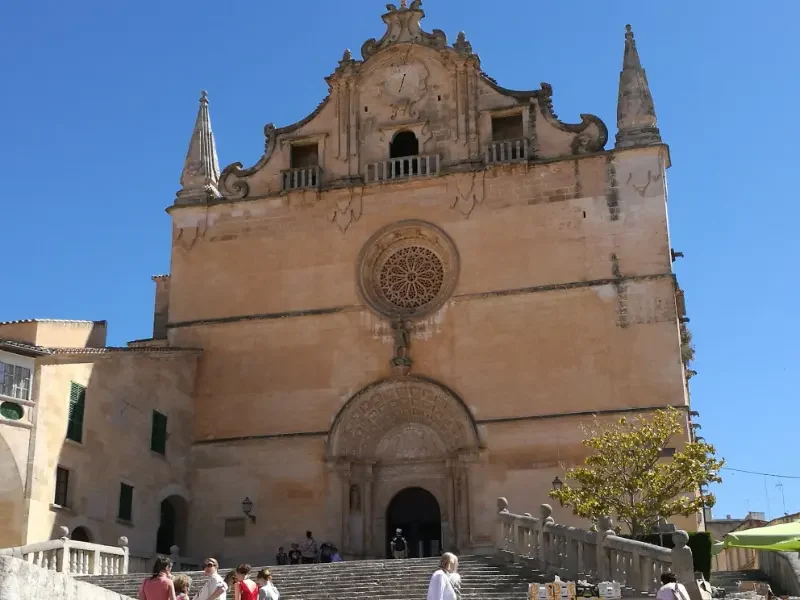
367 508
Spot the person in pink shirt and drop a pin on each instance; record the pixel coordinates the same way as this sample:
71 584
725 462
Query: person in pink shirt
159 586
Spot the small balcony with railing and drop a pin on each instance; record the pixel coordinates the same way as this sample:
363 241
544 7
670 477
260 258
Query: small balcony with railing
508 145
305 172
404 162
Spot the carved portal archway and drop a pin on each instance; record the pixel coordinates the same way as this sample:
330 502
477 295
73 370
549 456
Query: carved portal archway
396 433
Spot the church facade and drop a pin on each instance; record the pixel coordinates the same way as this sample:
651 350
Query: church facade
405 309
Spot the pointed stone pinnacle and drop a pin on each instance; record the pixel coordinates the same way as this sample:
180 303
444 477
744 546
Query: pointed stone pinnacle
636 113
200 176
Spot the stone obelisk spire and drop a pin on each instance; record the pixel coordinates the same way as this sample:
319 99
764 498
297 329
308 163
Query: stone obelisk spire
200 176
636 114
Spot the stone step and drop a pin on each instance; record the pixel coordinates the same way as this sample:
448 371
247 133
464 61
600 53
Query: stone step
384 579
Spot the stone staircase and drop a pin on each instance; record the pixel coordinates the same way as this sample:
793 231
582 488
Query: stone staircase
729 580
380 579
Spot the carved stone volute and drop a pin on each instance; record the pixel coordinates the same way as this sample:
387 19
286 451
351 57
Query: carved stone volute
403 27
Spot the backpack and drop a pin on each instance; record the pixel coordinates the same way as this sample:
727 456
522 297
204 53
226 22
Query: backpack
399 543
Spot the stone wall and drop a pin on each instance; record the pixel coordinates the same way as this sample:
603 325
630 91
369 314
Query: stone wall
122 390
20 580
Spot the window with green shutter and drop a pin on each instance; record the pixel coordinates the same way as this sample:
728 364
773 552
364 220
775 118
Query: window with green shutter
158 435
125 512
77 405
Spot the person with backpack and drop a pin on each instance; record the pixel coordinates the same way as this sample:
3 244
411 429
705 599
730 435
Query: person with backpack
399 545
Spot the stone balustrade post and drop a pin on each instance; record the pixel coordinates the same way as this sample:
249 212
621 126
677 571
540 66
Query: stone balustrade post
63 557
683 564
605 529
545 510
500 541
123 543
175 557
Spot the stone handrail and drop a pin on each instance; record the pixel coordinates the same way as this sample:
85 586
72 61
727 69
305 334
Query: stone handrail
783 569
74 558
579 554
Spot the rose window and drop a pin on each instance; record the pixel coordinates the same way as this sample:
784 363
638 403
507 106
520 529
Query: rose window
411 277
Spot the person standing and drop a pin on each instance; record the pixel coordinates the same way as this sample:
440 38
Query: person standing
215 587
281 558
399 545
246 588
266 589
159 585
441 585
182 585
308 551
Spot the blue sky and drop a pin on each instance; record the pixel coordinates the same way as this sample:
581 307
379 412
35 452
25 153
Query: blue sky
100 98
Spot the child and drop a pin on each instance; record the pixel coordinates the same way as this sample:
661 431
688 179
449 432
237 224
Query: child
266 589
182 584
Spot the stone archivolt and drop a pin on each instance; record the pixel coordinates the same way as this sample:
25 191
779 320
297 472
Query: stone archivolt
401 419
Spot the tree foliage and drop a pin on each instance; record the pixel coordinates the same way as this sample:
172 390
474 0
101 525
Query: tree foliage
687 347
625 475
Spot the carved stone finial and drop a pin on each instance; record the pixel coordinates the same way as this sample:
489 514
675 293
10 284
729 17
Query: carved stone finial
347 56
462 45
403 27
545 510
122 542
680 538
605 524
636 114
200 176
64 531
502 504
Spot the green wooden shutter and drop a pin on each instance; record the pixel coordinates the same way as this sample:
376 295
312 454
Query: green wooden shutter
77 405
158 436
125 511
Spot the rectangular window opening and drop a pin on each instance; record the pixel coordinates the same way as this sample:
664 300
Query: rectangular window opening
125 511
61 497
667 452
15 381
234 527
507 128
158 433
77 407
304 156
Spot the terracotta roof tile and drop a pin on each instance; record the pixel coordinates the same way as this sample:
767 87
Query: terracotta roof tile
24 347
47 321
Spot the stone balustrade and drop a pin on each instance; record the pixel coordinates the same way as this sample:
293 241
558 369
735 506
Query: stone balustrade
579 554
507 151
423 165
302 178
143 563
74 558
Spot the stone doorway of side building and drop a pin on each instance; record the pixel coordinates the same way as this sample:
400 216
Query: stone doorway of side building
172 526
416 511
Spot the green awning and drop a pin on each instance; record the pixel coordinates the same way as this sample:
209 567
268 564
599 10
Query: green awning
784 537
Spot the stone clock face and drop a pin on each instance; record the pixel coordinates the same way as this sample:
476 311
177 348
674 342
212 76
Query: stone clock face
405 81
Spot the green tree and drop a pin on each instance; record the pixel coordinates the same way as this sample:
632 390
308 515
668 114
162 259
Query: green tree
625 475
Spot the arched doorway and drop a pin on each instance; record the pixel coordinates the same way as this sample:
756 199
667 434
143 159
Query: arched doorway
416 511
404 145
81 534
172 525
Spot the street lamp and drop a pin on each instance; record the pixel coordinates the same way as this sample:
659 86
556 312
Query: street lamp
247 508
557 485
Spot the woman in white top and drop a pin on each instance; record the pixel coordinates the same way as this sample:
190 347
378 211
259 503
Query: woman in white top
441 586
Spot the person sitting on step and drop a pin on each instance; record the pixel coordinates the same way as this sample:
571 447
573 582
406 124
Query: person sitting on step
281 558
294 554
399 545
